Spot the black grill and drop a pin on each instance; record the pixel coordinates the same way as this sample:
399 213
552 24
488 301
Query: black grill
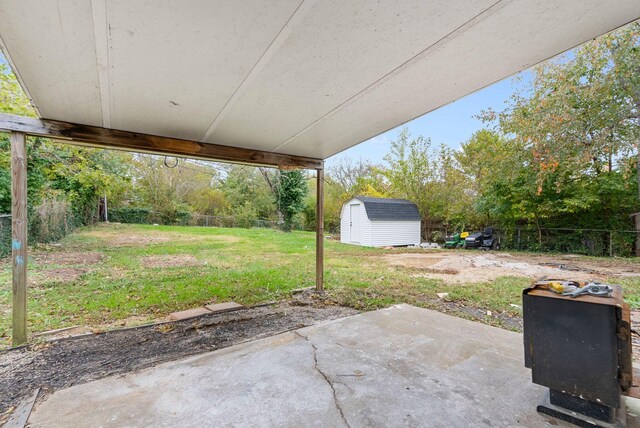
580 348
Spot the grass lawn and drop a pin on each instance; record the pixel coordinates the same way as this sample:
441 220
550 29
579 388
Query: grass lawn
114 274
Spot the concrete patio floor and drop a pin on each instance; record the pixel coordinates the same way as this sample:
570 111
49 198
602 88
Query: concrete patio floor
401 366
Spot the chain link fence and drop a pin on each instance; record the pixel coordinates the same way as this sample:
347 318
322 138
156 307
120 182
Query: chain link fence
5 235
53 220
146 216
48 222
592 242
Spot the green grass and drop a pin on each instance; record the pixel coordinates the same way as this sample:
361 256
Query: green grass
245 265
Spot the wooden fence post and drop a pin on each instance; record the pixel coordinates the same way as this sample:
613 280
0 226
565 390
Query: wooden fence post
19 235
611 243
320 229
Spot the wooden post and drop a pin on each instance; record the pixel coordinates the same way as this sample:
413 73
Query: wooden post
106 211
19 235
144 143
636 222
320 229
611 243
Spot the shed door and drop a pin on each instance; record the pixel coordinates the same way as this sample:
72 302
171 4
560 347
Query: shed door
355 223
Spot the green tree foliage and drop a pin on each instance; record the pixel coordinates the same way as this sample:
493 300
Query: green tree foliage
12 98
565 153
57 171
345 179
582 112
565 144
244 187
427 176
291 190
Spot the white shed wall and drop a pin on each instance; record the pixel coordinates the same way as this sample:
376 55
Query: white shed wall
395 233
376 233
360 220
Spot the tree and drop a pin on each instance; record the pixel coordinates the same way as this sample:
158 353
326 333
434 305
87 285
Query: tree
291 189
347 172
574 130
244 186
424 175
171 185
82 176
582 111
488 163
58 171
621 52
12 98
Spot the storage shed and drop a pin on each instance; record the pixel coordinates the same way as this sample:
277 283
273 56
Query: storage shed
378 222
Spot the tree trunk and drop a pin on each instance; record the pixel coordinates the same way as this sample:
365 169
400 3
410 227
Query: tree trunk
273 185
636 216
539 232
636 221
638 172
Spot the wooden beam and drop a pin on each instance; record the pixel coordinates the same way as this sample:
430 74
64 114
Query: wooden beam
132 141
320 229
19 235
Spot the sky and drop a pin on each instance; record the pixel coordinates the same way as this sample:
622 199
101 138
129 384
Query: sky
452 124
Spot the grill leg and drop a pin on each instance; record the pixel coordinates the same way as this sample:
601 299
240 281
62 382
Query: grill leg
581 412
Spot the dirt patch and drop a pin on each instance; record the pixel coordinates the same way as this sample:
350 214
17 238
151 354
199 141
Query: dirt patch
414 260
120 238
59 275
134 240
73 361
228 239
441 271
613 266
68 258
472 267
178 260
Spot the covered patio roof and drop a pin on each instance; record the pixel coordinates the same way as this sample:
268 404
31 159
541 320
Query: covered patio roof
283 83
295 77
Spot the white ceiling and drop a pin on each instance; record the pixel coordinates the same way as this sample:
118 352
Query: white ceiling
299 77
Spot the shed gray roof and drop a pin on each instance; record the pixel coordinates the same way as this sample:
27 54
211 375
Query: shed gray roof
385 209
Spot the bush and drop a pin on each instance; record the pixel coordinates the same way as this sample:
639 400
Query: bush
5 236
48 222
51 220
130 215
245 216
146 216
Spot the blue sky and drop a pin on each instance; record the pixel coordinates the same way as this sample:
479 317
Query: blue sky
451 124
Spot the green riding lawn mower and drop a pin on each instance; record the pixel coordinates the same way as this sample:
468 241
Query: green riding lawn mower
457 240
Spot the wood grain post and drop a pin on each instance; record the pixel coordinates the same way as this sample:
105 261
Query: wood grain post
94 136
320 229
19 235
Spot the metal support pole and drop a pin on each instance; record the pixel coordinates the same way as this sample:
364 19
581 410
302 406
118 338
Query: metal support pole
518 238
320 229
611 243
106 211
19 235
